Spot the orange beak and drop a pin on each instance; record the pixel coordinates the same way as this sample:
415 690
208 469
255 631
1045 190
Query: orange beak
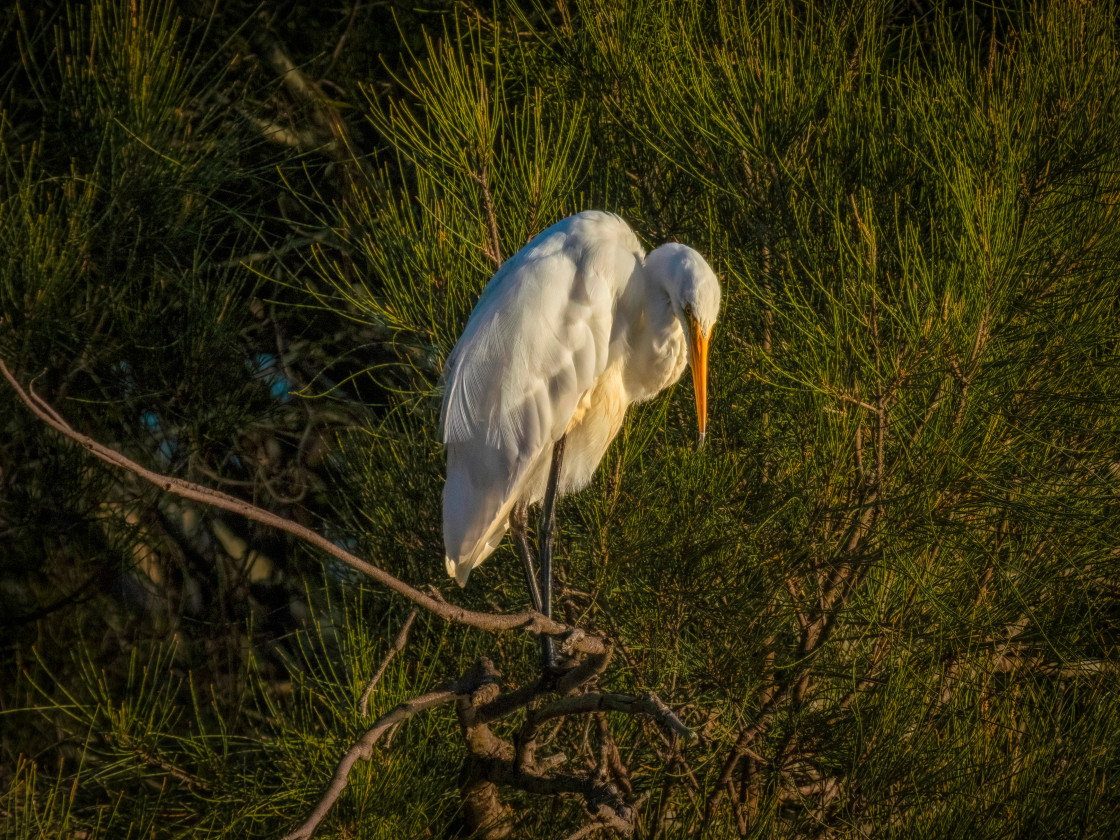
698 361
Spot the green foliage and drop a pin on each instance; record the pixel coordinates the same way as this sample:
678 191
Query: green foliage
891 575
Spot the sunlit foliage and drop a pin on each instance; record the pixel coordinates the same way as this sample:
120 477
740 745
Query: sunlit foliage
885 593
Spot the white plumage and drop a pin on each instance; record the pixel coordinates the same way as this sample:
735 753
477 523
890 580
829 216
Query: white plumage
567 334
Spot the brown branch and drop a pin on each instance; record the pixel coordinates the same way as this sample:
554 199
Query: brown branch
685 778
836 591
646 704
603 800
737 809
610 759
337 54
506 703
840 395
741 748
791 588
528 621
363 750
859 453
591 666
588 830
482 806
494 248
397 647
169 768
492 761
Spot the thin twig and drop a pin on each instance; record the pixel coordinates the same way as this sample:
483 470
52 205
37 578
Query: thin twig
612 760
647 704
791 588
397 647
588 830
337 54
494 251
363 750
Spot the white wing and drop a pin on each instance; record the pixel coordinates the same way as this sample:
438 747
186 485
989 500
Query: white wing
537 341
539 336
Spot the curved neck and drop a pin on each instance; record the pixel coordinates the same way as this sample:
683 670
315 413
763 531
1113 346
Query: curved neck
655 340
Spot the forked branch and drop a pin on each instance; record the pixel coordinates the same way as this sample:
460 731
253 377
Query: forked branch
493 762
363 750
397 647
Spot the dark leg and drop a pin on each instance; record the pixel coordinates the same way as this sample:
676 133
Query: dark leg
519 526
547 538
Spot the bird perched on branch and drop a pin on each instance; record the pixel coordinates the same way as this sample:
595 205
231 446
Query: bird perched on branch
570 331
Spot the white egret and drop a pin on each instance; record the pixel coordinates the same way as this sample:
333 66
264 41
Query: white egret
568 333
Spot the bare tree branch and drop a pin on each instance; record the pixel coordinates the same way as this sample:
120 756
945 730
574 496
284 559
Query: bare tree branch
364 750
397 647
494 246
529 621
492 760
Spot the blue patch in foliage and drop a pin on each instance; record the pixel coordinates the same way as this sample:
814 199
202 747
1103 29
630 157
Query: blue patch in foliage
265 368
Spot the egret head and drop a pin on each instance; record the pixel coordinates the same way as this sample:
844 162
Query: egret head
694 294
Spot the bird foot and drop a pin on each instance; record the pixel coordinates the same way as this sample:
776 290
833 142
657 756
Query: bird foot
556 669
549 659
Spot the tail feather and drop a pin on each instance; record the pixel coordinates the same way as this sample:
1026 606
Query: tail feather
461 569
476 506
